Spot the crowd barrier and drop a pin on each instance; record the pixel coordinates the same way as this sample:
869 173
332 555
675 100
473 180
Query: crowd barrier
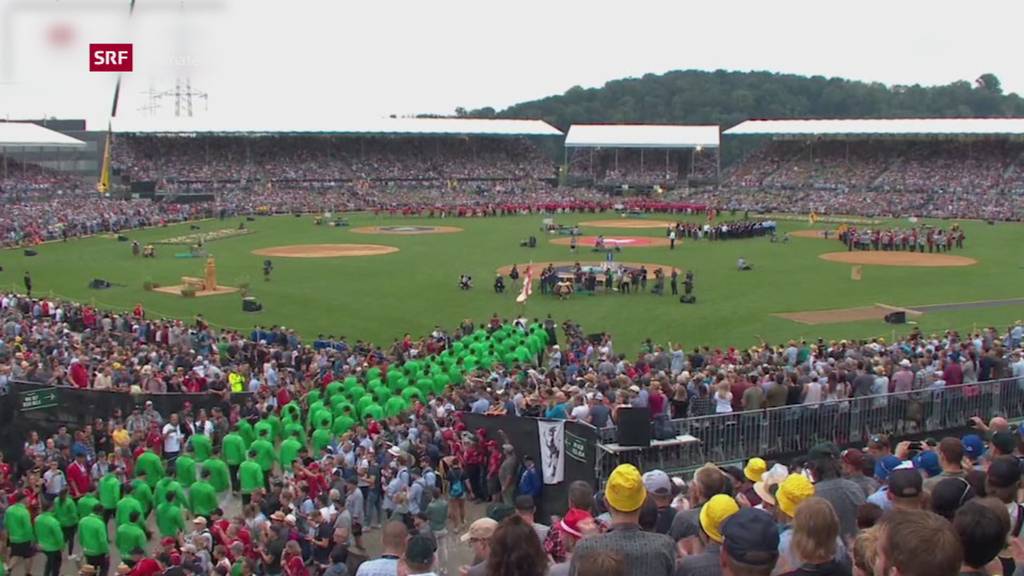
788 431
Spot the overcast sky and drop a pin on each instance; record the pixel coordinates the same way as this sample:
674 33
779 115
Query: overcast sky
302 58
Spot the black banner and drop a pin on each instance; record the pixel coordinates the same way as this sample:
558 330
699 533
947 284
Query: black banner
580 454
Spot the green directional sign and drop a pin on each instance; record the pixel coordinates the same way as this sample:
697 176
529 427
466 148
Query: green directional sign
37 399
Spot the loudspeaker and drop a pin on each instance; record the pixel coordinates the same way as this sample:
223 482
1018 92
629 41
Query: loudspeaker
30 252
634 427
687 299
899 317
250 304
122 238
250 219
99 284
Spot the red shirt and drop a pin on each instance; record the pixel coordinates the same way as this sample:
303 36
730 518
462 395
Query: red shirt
146 567
78 478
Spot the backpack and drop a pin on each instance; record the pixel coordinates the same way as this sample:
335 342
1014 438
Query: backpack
456 489
426 495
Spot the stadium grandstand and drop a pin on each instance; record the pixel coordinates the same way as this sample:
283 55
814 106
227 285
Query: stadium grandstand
943 168
648 157
35 160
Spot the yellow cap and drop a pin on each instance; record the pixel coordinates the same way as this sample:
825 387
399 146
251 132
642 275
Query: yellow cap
794 489
625 490
755 468
713 515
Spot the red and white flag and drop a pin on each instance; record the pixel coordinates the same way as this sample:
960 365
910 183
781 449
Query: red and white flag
527 289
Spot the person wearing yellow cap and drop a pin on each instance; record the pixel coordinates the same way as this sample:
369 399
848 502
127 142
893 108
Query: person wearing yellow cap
752 472
793 491
644 553
712 515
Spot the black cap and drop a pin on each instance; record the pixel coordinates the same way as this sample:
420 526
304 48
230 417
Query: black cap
1003 472
419 550
751 536
906 483
1005 442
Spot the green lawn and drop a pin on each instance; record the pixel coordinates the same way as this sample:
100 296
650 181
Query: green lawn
382 297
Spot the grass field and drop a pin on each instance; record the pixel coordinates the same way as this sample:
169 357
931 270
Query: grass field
382 297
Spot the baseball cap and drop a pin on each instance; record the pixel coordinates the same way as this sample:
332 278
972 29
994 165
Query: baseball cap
928 462
974 447
751 537
481 529
714 512
853 458
885 466
571 523
823 451
419 550
657 482
878 441
794 489
1004 442
905 483
1003 472
625 490
755 468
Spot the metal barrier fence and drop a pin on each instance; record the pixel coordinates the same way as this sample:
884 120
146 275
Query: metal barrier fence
791 430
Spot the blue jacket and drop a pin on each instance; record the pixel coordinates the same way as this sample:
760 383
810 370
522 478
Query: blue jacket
530 483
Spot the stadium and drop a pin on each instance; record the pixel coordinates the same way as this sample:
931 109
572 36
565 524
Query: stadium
514 343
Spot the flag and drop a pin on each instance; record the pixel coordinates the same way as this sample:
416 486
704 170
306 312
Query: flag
527 289
103 186
552 450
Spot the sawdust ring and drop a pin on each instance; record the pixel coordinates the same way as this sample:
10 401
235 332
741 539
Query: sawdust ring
632 223
587 242
412 230
907 259
538 266
325 250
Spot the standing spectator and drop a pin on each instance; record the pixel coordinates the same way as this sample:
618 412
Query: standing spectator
515 550
815 533
645 554
750 544
982 526
918 543
712 516
479 538
419 556
844 495
394 537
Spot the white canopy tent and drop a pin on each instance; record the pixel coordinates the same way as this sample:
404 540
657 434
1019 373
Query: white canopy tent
641 136
882 127
380 126
702 141
27 135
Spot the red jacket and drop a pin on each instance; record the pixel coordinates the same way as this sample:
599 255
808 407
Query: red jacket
78 478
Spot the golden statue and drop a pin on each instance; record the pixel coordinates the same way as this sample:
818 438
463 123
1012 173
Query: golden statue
211 274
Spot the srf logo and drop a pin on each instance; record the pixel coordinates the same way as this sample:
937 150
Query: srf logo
110 57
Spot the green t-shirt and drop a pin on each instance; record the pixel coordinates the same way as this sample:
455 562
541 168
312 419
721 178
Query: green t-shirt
220 477
250 477
128 538
18 523
202 446
125 507
144 494
233 448
66 511
289 452
86 504
321 439
110 491
265 455
49 533
169 519
152 465
92 535
437 514
202 498
185 468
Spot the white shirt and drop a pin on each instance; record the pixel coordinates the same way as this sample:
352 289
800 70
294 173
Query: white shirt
172 438
580 413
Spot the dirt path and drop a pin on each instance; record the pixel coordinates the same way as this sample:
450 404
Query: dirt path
325 250
406 230
912 259
587 242
633 223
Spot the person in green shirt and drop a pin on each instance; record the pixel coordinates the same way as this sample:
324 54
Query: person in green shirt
233 448
130 536
125 507
220 476
169 519
201 446
289 452
185 468
51 540
202 497
265 456
150 465
110 492
18 523
85 505
250 477
144 494
92 536
66 511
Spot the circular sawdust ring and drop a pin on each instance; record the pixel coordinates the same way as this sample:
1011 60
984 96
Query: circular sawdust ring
907 259
819 234
614 241
325 250
406 230
632 223
538 266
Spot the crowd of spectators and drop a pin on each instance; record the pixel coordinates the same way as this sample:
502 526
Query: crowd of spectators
21 182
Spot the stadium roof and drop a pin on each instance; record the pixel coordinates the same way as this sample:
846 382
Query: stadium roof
948 127
641 136
380 126
27 135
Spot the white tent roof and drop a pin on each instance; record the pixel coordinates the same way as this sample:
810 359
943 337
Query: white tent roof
397 126
25 134
641 136
882 127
